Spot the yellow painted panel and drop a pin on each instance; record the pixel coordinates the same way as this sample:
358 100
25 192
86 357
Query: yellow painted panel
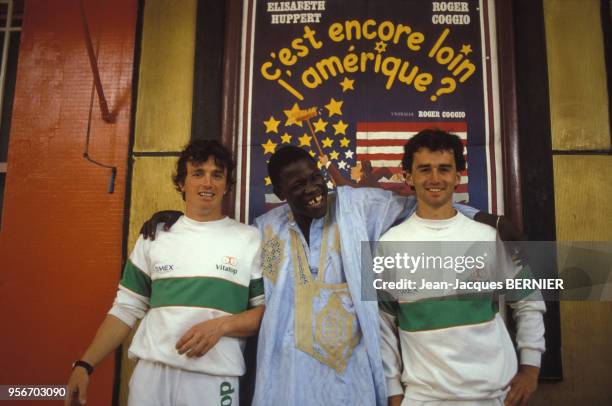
583 197
583 192
165 88
577 75
586 329
152 190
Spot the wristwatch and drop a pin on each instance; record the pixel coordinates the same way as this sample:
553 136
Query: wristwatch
80 363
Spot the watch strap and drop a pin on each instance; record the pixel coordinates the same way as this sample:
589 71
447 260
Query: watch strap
80 363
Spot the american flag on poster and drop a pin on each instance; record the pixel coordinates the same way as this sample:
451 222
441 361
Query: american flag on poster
379 147
382 144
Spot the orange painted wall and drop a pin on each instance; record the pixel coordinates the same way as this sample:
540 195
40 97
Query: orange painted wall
61 235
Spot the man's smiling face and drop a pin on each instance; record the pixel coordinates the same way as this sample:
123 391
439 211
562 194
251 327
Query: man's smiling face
302 184
434 177
204 187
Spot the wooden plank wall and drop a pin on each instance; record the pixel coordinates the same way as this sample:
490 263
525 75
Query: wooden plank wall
579 104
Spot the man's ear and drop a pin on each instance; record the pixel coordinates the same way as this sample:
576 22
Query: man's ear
182 189
408 179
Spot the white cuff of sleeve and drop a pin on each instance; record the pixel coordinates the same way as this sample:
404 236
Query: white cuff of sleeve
394 387
257 301
531 357
123 315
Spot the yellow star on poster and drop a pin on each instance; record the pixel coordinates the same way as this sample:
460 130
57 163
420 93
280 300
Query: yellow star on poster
269 147
333 155
328 142
340 127
334 107
268 180
305 140
271 125
292 114
347 84
380 47
312 154
320 125
344 142
285 138
466 49
319 164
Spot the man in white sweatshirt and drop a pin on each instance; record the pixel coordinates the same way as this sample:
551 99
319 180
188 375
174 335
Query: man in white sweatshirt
445 346
197 288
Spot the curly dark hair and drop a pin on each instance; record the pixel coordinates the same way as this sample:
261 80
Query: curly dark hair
434 140
198 152
284 157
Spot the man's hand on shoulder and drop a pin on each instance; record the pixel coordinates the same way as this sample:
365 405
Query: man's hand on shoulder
522 386
396 400
168 217
507 230
199 339
508 233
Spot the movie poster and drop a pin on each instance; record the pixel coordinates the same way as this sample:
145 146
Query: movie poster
352 81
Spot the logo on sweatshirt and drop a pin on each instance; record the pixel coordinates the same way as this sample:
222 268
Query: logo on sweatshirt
228 264
232 261
163 268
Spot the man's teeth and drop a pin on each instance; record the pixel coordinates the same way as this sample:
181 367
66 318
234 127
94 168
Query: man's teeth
431 189
316 201
206 194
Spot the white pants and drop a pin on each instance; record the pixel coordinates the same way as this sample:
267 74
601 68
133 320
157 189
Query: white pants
156 384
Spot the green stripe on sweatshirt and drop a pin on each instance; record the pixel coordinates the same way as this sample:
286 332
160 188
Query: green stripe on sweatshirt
135 279
214 293
437 313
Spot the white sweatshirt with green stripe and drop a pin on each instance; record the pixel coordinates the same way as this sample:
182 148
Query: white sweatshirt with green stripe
194 272
442 348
